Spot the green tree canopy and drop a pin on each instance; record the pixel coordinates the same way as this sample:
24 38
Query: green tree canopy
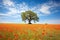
29 15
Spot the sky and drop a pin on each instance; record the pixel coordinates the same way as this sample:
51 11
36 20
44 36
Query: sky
48 11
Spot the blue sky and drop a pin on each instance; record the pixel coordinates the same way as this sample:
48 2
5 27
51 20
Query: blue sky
48 11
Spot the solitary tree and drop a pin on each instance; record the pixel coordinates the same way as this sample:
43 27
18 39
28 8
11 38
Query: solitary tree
29 16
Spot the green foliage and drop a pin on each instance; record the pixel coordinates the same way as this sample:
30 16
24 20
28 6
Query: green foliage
29 15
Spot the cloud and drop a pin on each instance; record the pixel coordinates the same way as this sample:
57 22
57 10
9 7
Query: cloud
16 9
45 9
23 7
41 9
8 2
8 22
51 21
57 21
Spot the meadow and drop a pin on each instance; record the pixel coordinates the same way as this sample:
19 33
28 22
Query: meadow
29 31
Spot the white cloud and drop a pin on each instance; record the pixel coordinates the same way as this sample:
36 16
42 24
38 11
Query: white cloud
23 7
12 11
53 21
2 14
45 9
40 9
8 2
18 8
56 21
15 9
7 22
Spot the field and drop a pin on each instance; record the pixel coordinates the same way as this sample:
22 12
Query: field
29 31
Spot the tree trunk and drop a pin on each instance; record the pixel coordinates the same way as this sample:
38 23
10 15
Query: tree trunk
29 19
29 22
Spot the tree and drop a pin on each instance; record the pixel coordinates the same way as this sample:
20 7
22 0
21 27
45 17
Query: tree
29 16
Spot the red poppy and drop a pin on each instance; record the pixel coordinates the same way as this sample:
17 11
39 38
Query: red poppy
1 36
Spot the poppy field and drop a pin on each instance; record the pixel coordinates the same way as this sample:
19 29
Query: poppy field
29 31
